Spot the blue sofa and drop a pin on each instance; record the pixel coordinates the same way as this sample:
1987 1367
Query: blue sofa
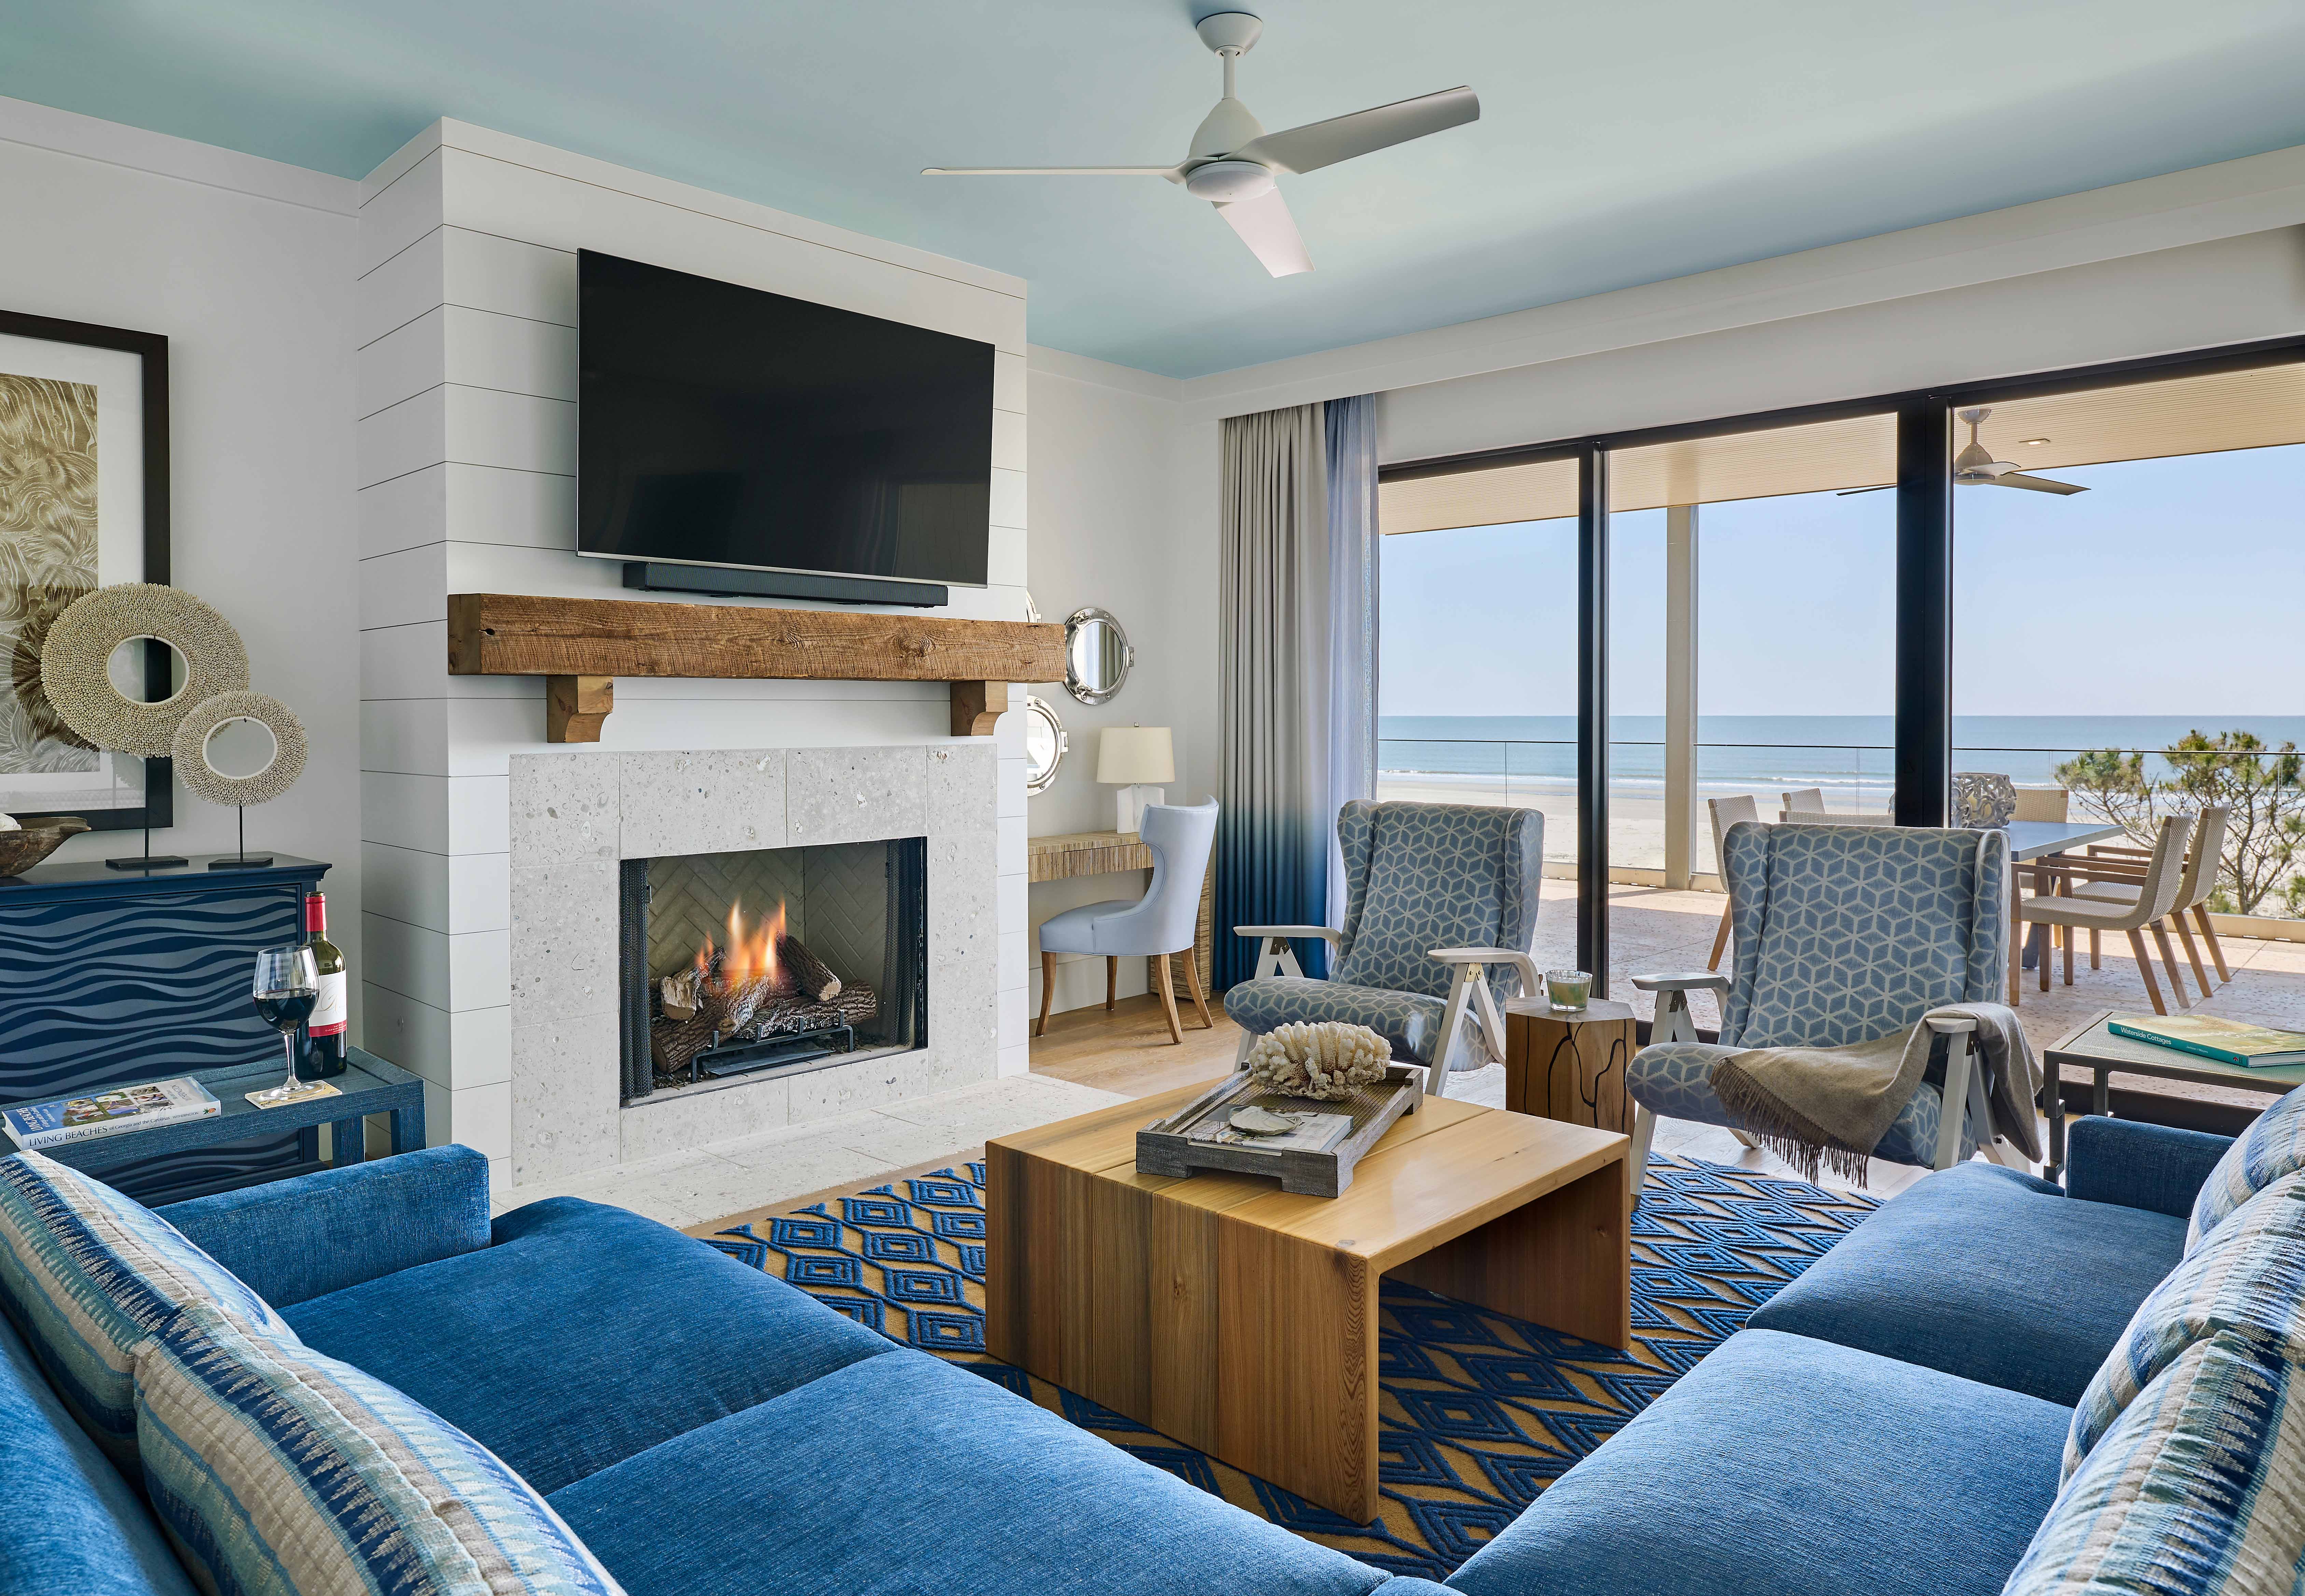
706 1428
1892 1422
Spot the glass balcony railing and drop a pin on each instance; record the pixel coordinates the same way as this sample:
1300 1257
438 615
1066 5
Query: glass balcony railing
2265 788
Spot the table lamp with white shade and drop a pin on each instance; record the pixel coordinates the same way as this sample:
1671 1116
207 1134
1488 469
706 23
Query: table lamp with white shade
1141 760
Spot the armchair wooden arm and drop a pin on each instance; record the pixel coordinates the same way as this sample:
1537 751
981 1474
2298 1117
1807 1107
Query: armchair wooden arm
1274 956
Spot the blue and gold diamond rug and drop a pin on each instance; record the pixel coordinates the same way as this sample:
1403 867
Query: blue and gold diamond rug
1479 1413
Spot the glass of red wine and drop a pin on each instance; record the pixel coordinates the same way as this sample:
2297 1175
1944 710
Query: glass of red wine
288 984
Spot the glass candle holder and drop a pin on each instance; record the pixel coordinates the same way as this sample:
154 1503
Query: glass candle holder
1567 990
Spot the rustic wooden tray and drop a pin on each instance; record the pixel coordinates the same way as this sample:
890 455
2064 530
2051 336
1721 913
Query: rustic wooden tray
1164 1147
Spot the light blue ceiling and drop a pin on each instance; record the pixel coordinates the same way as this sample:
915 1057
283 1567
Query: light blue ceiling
1619 143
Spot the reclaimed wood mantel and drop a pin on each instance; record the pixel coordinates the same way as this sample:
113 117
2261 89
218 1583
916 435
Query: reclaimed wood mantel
581 645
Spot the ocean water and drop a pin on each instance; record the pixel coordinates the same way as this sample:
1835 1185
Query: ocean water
1791 749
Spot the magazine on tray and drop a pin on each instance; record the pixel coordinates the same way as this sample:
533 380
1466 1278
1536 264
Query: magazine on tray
33 1126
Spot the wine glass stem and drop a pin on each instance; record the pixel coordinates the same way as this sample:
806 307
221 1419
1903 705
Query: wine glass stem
288 1047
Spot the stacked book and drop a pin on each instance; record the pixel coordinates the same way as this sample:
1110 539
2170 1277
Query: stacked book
36 1125
2205 1036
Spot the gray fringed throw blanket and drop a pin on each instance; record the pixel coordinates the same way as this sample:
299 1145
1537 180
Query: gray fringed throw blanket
1832 1105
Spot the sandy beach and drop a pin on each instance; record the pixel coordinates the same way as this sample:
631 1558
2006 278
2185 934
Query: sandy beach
1636 809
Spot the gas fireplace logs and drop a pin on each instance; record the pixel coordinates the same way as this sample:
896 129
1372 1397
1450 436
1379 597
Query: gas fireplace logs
701 1008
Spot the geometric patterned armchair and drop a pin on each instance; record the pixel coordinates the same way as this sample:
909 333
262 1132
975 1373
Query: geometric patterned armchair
1435 893
1843 934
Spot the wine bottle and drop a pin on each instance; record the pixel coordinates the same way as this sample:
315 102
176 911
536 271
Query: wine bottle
324 1055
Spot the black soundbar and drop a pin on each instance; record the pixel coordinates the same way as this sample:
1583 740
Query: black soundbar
721 582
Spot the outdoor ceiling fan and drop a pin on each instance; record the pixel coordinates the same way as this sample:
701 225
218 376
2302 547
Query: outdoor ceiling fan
1975 466
1234 163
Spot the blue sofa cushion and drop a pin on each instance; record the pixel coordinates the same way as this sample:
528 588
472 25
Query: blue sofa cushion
584 1335
1986 1273
2193 1490
2273 1146
906 1474
2247 1280
2139 1166
1784 1467
280 1473
73 1524
292 1240
89 1275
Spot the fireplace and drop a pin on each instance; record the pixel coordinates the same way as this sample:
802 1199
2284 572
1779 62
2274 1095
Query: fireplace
745 966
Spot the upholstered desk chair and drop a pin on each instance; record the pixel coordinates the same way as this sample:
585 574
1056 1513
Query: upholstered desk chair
1843 934
1154 926
1435 893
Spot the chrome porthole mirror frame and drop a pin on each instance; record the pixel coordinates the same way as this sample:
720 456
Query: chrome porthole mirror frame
1046 745
1095 641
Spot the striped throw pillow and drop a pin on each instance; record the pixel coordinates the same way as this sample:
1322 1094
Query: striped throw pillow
2198 1488
2273 1146
89 1275
2247 1280
278 1471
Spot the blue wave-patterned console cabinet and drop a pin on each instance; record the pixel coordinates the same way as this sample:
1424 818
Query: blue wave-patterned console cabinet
112 976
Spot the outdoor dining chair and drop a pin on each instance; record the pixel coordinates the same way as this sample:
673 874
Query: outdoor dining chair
2118 884
2157 887
1726 812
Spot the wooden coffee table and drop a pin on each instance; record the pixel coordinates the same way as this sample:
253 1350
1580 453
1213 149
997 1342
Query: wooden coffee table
1242 1321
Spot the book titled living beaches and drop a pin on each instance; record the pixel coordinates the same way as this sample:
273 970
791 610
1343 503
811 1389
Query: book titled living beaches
2205 1036
33 1126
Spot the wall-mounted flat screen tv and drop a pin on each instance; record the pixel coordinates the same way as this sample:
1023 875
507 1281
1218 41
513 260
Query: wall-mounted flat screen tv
719 425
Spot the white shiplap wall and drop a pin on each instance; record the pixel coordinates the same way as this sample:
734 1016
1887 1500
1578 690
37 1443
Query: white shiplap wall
466 431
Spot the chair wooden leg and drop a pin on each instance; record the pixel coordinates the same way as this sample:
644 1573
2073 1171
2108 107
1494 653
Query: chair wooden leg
2210 936
2145 969
2016 962
1636 1162
1200 997
1048 990
1169 998
2192 953
2042 957
1720 942
1111 982
2169 963
2070 934
2097 948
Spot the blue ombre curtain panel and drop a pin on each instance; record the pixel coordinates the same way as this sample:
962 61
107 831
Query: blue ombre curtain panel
1299 619
1350 428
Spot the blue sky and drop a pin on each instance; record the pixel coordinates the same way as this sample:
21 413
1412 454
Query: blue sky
2170 588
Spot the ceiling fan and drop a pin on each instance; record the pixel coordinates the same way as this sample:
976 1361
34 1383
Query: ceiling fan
1234 163
1975 466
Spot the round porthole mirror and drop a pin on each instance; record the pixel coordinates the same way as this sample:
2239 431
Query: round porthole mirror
1097 654
1045 745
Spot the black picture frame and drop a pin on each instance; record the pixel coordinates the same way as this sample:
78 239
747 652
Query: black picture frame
158 809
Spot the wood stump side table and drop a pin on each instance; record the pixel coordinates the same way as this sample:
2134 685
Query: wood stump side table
1571 1067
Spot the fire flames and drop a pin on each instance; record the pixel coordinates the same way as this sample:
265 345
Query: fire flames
751 954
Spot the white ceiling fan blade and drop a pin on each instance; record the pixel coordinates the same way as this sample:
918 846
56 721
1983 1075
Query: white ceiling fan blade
1171 173
1319 144
2037 484
1270 232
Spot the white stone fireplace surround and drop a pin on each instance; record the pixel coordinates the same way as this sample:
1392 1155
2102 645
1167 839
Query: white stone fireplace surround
576 816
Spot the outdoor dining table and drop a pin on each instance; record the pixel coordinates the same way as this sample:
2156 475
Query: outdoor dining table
2032 840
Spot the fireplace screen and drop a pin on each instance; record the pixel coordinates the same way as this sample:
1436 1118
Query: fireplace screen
771 961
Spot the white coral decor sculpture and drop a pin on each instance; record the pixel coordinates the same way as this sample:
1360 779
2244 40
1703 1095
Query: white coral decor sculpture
1321 1058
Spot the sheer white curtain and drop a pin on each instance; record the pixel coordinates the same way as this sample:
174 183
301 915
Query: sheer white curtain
1296 663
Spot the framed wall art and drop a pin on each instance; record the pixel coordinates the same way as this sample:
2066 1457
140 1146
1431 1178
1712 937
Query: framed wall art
83 504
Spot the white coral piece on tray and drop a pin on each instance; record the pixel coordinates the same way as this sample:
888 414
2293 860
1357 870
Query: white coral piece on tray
1318 1058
